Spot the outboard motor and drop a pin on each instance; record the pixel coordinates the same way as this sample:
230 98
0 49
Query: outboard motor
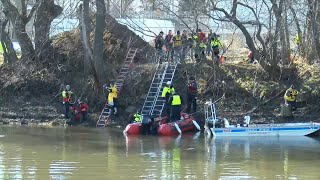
247 119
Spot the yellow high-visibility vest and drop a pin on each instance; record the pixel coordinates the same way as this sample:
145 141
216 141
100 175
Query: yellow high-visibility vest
176 100
167 90
137 117
177 41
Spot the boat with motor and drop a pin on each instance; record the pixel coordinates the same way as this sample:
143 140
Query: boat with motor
215 126
160 126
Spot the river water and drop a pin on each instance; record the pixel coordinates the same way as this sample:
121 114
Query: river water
82 154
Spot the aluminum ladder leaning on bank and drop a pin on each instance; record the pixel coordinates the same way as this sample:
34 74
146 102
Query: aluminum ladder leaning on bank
104 117
153 105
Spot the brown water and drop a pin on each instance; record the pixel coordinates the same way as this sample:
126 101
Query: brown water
82 154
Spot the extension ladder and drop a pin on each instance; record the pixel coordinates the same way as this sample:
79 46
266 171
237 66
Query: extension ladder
104 117
153 104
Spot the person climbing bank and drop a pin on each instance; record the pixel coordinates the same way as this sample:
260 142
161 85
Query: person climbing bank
166 93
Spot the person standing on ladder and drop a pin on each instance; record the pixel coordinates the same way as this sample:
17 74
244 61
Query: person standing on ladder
159 42
184 40
66 95
169 43
192 92
177 47
113 98
216 45
208 44
166 93
175 101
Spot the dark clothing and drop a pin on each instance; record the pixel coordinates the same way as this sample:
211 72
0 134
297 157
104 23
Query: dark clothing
159 42
67 109
293 105
175 113
192 102
184 39
193 88
166 109
192 93
175 102
216 51
168 40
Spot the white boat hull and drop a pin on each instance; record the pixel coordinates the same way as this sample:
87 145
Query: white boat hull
290 129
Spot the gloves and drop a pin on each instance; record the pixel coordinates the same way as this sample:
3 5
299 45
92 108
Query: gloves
104 86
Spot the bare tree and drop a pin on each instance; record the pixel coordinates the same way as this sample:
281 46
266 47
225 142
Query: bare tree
98 48
46 12
19 21
9 53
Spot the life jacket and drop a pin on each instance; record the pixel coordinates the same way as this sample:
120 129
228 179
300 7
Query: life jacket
76 113
215 43
167 91
193 88
113 90
202 45
137 117
111 97
297 39
290 95
177 41
84 107
176 100
201 36
66 95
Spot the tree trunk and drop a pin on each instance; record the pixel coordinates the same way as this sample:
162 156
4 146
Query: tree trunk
19 28
314 6
45 14
99 42
278 12
287 35
10 55
85 35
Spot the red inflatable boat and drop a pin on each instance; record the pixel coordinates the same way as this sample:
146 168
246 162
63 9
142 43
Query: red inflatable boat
166 129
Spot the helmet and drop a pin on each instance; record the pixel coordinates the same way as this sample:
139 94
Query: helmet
169 83
68 87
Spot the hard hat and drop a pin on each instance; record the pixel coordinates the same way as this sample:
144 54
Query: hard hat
68 87
169 83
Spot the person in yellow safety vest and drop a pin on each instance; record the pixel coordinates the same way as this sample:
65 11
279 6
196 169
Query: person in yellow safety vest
2 48
297 40
137 117
176 102
215 45
66 95
113 98
166 93
177 47
290 97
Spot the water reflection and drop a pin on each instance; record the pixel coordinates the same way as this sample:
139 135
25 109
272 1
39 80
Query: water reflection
75 153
